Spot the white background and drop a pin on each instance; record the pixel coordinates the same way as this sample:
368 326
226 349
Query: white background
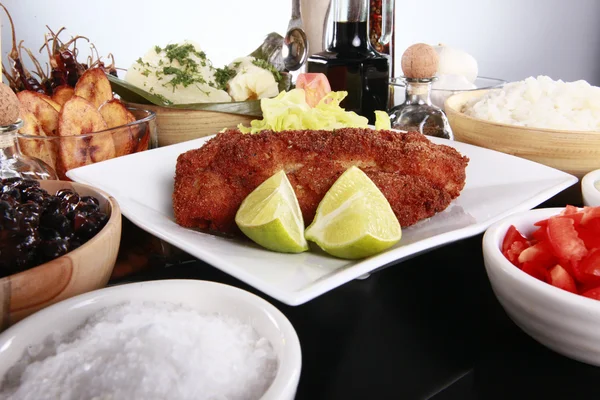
511 39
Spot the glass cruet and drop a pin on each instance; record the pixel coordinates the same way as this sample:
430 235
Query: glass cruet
350 62
417 113
420 63
14 164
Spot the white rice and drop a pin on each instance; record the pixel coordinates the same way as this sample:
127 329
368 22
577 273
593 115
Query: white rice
541 103
147 351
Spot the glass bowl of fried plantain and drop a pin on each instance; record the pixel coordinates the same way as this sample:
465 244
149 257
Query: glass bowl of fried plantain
82 126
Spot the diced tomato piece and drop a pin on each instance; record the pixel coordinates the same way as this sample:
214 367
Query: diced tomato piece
589 235
573 270
592 293
560 278
590 214
536 271
569 210
584 287
577 272
512 235
539 254
591 263
315 86
514 251
564 239
574 213
541 234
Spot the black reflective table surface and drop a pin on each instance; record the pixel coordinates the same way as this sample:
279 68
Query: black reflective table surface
426 328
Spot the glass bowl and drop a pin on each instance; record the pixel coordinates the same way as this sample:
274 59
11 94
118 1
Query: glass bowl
67 152
438 95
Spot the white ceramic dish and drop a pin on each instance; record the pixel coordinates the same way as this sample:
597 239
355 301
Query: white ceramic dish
591 195
201 295
562 321
497 185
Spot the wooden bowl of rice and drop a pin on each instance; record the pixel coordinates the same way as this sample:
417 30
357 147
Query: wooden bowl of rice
574 152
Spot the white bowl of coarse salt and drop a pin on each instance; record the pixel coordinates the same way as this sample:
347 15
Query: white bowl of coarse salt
171 339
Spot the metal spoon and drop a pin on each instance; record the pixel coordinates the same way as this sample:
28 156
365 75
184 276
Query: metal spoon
295 44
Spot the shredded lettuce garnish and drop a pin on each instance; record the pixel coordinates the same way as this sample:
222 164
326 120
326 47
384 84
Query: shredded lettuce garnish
382 120
289 111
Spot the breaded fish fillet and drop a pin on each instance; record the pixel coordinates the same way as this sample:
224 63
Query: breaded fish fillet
417 177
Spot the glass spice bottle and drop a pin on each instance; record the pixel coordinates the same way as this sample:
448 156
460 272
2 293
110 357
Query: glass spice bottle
417 113
14 164
382 28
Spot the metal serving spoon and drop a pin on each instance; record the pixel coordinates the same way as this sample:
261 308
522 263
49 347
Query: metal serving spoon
295 44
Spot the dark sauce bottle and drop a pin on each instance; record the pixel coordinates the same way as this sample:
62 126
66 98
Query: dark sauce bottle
350 62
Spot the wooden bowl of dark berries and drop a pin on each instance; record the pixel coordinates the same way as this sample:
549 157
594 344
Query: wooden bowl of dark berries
58 239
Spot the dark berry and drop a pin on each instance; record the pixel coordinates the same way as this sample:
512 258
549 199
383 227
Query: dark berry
91 200
10 181
87 206
26 183
9 218
58 222
52 205
30 213
69 200
30 238
65 193
51 249
12 192
9 199
48 234
34 193
88 227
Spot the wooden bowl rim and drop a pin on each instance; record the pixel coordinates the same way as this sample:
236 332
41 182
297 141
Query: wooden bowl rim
115 212
462 97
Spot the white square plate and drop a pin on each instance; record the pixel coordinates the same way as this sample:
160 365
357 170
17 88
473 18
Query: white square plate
497 185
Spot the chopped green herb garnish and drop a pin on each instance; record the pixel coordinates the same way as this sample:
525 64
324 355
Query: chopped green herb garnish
157 49
223 76
181 53
269 67
182 77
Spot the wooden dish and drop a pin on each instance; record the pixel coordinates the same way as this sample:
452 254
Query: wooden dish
178 125
82 270
574 152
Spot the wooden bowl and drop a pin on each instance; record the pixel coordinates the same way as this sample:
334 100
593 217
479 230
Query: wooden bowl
178 125
574 152
82 270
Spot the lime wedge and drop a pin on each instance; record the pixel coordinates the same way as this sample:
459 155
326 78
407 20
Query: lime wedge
354 219
271 216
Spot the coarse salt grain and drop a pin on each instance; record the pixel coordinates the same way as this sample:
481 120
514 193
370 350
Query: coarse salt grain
147 350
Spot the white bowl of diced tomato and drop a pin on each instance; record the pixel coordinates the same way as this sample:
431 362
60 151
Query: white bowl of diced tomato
544 267
589 190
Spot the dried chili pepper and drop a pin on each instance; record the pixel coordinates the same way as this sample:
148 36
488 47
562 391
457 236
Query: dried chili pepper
21 77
